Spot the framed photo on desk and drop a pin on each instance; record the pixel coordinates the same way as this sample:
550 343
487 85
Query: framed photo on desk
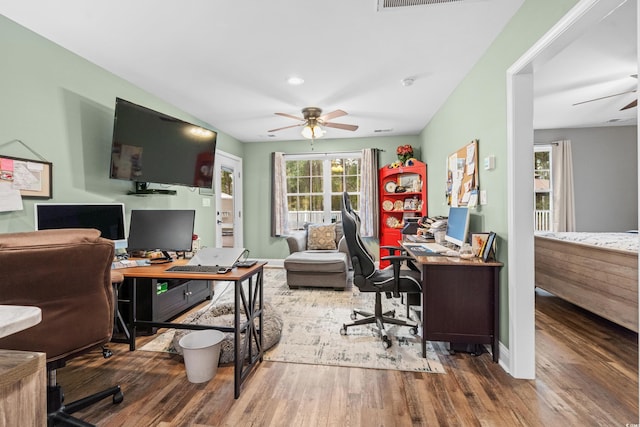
488 247
478 241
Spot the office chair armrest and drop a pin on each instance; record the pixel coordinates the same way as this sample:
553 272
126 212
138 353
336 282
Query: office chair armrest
395 261
392 249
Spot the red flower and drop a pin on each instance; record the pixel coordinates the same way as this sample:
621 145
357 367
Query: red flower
404 151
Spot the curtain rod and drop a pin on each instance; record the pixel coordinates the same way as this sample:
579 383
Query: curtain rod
545 143
330 153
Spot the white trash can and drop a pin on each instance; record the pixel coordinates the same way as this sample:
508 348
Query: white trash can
201 352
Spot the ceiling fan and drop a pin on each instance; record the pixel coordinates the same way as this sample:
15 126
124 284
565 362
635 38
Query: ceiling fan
632 104
313 120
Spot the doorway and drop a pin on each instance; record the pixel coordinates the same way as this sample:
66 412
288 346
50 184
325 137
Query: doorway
228 190
520 79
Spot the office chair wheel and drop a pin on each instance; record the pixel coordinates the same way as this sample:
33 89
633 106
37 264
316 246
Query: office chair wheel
118 398
386 342
353 315
413 330
106 352
343 330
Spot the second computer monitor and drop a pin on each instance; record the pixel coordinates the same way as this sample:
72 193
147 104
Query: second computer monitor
163 230
457 225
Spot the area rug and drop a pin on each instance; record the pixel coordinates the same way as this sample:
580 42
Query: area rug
312 319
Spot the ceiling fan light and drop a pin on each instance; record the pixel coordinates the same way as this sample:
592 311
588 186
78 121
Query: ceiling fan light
312 132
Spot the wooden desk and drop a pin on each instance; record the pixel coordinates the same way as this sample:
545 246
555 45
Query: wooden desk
251 300
460 301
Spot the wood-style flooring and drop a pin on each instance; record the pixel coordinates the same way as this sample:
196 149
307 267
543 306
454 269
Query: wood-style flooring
586 369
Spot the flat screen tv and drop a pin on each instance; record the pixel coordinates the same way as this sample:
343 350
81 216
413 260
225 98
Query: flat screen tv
152 147
108 218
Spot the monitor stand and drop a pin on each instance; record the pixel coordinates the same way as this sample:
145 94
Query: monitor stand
165 259
142 189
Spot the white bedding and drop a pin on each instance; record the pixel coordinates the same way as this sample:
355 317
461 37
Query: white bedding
620 241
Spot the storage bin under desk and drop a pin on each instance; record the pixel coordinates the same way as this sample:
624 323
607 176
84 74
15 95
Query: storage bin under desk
159 300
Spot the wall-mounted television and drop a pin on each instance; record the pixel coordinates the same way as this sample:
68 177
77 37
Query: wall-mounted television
152 147
106 217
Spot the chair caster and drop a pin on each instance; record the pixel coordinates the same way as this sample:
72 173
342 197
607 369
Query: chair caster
118 398
343 330
413 330
353 315
106 352
386 342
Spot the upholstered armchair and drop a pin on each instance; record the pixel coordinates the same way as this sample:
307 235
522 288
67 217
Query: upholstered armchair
318 257
67 273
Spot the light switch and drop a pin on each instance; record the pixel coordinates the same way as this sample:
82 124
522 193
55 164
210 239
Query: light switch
490 162
483 197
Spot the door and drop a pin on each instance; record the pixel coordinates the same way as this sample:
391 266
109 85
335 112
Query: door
228 189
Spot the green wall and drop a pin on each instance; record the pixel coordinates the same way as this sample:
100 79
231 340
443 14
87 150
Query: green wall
61 106
477 109
257 182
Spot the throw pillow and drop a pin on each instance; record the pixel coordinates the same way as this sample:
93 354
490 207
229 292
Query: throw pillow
321 236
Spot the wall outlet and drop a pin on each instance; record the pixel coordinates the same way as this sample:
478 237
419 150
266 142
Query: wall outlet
483 197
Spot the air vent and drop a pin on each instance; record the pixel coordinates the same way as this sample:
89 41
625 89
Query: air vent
393 4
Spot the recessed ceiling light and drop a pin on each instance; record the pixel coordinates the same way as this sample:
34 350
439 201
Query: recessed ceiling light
295 81
408 81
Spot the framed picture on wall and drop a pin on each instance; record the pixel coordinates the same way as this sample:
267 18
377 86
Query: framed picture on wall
33 178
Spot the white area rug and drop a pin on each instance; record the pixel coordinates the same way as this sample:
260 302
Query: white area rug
311 333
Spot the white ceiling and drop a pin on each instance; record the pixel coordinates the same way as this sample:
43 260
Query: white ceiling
597 65
227 62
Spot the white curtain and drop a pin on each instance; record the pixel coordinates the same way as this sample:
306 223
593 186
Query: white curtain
564 217
368 206
279 209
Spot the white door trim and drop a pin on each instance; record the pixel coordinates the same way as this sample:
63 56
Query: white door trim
520 77
235 163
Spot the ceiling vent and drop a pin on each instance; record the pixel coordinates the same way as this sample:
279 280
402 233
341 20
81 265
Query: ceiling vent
394 4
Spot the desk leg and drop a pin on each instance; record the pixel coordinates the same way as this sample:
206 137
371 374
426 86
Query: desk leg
423 314
134 315
253 308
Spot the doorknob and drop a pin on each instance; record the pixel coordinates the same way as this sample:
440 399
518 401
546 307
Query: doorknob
219 221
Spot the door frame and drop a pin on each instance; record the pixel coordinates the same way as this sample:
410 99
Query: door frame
520 78
234 163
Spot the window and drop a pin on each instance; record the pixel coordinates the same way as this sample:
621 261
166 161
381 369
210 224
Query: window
542 187
315 183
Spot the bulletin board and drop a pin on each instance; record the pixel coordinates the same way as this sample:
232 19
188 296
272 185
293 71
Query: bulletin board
462 175
32 178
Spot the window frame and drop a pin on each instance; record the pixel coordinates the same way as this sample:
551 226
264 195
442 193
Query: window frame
328 215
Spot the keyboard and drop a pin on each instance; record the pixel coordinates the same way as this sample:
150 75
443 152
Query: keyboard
195 268
435 247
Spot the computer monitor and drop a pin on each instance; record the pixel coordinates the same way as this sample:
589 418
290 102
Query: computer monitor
108 218
457 225
162 230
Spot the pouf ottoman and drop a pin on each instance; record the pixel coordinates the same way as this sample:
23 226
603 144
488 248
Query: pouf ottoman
316 269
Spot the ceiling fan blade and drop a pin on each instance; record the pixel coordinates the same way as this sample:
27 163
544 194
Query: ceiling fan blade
632 104
604 97
290 116
286 127
332 115
341 126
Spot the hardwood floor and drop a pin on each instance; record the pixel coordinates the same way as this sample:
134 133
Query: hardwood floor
586 368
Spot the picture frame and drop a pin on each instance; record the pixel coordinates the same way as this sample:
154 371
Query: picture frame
488 248
478 240
33 178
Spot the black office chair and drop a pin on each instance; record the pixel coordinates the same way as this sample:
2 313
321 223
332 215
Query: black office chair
392 280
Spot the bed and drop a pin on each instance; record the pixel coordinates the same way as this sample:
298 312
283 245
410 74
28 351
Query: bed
595 271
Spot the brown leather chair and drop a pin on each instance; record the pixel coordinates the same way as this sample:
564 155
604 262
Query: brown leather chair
67 273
